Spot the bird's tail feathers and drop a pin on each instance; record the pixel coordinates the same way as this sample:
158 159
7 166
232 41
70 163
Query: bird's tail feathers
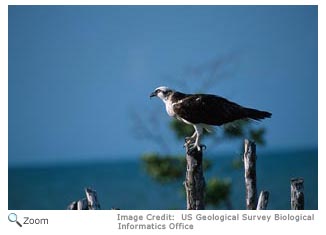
257 114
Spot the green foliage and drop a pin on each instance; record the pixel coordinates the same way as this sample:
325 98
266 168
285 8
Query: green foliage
217 191
235 129
237 163
167 168
163 168
243 128
258 135
181 129
207 164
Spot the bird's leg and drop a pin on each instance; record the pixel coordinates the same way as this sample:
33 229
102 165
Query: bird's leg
197 143
198 133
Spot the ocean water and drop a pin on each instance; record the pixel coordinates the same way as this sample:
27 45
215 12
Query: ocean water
125 185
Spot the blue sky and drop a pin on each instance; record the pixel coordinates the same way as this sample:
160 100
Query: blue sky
78 74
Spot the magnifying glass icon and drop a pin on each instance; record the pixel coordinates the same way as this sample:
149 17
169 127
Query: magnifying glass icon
12 217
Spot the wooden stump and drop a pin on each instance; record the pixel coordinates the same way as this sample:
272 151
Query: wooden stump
249 158
263 200
195 181
297 196
89 203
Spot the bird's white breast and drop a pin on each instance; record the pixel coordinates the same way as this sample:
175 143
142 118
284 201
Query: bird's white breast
169 108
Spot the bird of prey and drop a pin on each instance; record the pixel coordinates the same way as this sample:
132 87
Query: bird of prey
203 111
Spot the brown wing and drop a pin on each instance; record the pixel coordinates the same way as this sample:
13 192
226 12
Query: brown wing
212 110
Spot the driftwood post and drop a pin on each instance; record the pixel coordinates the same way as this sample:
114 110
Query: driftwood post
263 200
93 203
249 158
89 203
195 181
297 196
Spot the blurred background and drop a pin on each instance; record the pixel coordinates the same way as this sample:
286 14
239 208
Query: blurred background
80 114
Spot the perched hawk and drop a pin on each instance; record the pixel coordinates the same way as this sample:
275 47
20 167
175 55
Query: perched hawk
203 111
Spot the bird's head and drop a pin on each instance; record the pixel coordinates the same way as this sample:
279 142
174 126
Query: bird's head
162 92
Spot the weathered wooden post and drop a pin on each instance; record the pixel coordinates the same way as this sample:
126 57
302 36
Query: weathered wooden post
297 196
89 203
249 158
195 181
93 203
263 200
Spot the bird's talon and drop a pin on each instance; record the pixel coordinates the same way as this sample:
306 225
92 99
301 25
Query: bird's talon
189 140
193 146
189 146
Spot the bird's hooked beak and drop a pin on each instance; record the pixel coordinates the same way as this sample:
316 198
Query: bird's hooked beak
153 94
